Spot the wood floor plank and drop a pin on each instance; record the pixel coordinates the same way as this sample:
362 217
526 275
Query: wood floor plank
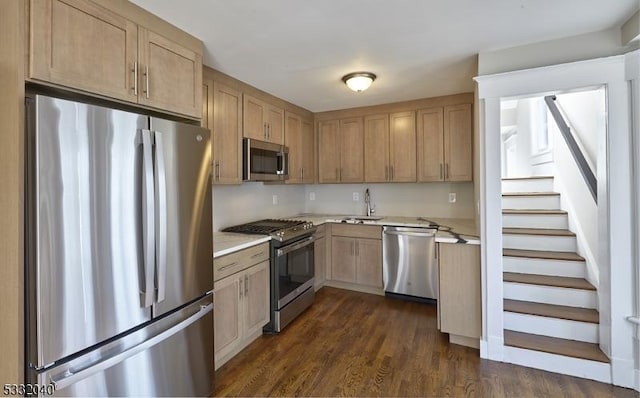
356 344
548 280
549 255
552 311
553 345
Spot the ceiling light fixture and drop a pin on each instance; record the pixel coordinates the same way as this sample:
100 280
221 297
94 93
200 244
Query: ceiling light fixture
359 81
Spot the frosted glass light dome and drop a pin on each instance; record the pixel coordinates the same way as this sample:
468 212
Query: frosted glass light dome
359 81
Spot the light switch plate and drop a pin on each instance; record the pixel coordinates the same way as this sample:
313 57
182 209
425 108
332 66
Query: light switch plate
312 196
452 197
356 196
275 200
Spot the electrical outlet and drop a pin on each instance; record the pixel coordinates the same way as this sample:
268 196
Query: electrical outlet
275 200
312 196
356 196
452 197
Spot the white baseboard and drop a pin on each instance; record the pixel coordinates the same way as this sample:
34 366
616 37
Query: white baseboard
623 372
495 348
637 386
583 368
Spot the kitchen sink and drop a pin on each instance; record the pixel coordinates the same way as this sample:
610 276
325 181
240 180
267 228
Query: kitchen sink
362 218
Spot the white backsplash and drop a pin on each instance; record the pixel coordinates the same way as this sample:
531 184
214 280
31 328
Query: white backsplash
237 204
251 201
397 199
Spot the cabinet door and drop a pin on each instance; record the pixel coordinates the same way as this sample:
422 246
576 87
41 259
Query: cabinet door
207 104
376 148
369 262
402 146
253 117
430 145
328 151
293 140
460 294
458 147
76 43
275 124
227 315
343 265
319 253
308 153
351 150
256 298
170 75
227 135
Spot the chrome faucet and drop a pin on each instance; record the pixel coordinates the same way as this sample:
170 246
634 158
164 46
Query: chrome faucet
367 199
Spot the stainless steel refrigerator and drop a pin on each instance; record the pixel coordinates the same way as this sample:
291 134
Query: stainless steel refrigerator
119 252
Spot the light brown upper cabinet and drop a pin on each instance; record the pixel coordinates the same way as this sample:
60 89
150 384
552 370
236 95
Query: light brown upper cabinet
390 147
226 128
262 120
81 45
308 153
445 144
298 137
171 75
341 150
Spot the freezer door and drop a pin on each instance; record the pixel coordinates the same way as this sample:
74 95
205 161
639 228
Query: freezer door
171 357
84 216
184 236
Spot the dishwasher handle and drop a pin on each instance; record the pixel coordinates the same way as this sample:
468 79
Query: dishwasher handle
407 233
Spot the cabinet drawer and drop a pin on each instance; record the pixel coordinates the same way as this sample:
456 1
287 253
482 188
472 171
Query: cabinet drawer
357 231
240 260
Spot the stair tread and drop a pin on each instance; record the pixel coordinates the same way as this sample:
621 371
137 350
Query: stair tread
552 311
548 280
526 178
530 194
538 231
554 345
533 211
541 254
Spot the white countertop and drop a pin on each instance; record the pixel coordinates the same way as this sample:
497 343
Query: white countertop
228 242
450 230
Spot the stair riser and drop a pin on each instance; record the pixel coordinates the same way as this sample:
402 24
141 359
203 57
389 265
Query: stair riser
523 265
539 242
550 295
548 221
531 202
552 327
533 185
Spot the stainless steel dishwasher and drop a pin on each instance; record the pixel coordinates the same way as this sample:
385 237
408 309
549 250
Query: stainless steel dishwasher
410 263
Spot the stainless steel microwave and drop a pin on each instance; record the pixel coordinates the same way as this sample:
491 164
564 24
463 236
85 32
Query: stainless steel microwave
264 161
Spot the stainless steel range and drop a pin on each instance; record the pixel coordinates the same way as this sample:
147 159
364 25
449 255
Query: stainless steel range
292 267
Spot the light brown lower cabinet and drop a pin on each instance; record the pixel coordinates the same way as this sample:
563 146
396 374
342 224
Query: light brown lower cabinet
241 310
319 257
460 301
356 256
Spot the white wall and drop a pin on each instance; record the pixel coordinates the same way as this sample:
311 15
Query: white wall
569 49
237 204
398 199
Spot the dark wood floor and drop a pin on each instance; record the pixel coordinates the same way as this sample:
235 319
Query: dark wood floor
356 344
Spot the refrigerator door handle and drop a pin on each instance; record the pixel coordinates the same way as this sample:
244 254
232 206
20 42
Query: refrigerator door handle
148 219
72 376
161 217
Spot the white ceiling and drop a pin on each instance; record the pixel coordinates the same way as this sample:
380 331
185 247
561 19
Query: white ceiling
299 50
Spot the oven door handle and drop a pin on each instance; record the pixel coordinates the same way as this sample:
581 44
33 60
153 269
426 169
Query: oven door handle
295 246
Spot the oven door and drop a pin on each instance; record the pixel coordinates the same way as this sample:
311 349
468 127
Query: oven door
295 267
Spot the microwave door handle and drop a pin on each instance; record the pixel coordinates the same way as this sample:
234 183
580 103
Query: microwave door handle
161 217
283 169
295 246
148 220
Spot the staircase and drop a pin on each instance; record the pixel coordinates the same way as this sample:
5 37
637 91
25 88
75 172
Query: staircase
549 306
